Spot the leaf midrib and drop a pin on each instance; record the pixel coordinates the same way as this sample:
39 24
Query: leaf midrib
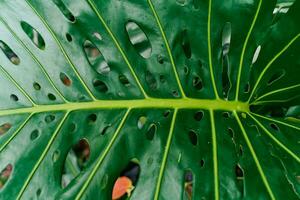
187 103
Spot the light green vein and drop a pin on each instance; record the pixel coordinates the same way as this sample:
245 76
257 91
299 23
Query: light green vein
165 156
15 133
215 154
93 6
259 168
36 166
276 91
244 49
275 139
102 157
277 121
167 47
209 51
33 57
17 85
63 51
270 63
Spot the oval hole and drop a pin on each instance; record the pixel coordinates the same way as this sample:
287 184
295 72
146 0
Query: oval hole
91 118
197 83
49 118
65 79
276 76
239 172
151 131
75 162
51 97
104 130
100 86
36 86
151 81
64 10
127 181
14 59
34 35
4 128
274 126
124 80
95 58
188 185
256 54
231 132
138 39
198 115
14 97
141 122
5 174
226 37
185 44
193 137
34 134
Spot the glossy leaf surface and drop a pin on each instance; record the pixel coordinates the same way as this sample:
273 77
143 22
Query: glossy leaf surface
182 99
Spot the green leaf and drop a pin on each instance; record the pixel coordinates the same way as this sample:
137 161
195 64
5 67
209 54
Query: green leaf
190 99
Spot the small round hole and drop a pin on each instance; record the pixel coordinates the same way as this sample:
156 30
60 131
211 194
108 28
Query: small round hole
49 118
198 115
36 86
92 118
34 134
141 122
69 37
14 97
51 97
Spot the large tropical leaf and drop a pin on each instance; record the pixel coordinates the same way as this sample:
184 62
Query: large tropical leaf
188 99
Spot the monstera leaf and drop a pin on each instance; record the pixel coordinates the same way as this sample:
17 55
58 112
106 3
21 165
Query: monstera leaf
149 99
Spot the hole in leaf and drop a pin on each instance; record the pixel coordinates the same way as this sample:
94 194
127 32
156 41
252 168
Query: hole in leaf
198 115
141 122
124 81
69 37
75 161
193 137
51 97
167 113
127 180
97 35
226 115
162 78
49 118
241 150
55 156
175 93
160 59
138 39
38 192
100 86
36 86
226 37
34 35
104 130
65 79
256 54
239 172
274 126
151 81
5 174
92 118
188 185
72 127
14 97
14 59
197 83
186 70
64 10
202 162
247 88
4 128
276 76
230 132
185 44
34 134
95 58
151 131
